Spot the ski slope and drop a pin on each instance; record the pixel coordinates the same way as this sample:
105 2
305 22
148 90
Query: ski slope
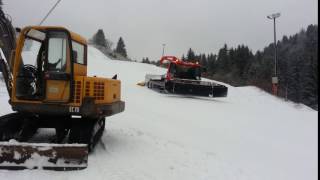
250 135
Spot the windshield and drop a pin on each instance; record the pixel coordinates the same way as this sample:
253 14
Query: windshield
185 72
30 52
34 40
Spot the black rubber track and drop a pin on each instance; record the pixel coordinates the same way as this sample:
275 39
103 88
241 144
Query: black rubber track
83 132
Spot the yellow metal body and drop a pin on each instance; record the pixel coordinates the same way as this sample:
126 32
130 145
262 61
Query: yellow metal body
102 90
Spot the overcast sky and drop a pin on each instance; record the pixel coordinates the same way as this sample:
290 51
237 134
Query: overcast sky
204 25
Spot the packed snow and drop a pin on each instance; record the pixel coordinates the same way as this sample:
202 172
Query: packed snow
250 135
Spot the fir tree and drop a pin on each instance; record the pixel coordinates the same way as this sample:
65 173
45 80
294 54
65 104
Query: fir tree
191 55
100 39
211 63
121 48
183 58
146 60
203 60
222 64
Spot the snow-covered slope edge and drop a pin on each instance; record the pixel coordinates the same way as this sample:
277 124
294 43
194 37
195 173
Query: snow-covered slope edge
248 135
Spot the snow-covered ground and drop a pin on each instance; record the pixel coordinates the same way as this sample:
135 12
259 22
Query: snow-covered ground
250 135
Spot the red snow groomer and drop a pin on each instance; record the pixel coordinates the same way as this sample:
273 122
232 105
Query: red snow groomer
184 78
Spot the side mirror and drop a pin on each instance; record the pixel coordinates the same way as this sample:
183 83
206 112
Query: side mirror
75 56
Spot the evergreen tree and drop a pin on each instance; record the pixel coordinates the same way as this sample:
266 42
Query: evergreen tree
310 90
222 64
241 60
203 60
121 48
211 63
191 57
296 77
100 39
183 58
146 60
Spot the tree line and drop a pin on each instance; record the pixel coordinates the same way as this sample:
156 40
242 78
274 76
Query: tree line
105 45
297 66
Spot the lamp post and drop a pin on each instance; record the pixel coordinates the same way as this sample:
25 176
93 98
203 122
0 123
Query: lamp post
163 46
275 77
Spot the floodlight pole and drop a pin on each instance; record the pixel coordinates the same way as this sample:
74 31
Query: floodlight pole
275 47
275 77
163 46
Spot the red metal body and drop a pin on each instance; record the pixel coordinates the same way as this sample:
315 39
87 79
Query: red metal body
177 61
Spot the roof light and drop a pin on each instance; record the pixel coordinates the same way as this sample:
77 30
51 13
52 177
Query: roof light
273 16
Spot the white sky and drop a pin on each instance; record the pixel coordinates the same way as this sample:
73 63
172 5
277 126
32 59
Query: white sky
203 25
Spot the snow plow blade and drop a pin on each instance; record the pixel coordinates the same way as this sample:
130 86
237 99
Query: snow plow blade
60 157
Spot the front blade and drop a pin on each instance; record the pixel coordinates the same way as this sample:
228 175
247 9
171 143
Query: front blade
16 156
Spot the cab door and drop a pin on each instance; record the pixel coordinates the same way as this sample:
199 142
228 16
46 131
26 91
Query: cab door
58 74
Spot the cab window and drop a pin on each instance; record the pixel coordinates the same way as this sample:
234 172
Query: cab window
57 51
78 50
